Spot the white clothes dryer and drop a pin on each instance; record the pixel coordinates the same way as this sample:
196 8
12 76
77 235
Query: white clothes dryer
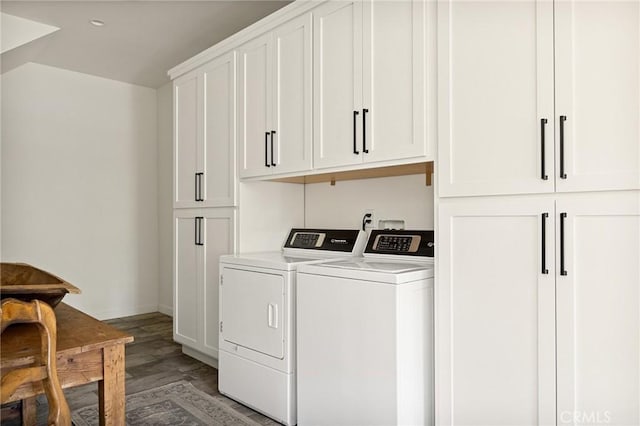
257 318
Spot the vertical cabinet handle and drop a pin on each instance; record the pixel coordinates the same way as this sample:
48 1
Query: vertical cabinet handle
544 243
198 185
355 124
543 172
266 149
563 216
563 175
198 229
273 132
196 197
364 131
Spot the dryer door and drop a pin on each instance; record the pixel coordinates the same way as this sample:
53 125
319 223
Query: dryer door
252 310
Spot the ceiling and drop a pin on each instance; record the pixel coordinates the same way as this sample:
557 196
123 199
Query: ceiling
140 40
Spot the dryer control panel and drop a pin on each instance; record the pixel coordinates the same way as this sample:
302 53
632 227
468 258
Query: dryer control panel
307 239
338 240
401 242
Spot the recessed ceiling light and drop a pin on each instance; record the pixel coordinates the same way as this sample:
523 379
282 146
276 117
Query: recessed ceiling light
96 22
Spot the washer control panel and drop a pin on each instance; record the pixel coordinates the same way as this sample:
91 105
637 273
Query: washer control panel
400 242
397 243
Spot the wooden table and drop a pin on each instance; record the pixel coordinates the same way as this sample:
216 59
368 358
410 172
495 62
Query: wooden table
88 350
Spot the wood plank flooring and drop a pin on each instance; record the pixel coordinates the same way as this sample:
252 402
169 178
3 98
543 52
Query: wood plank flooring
152 360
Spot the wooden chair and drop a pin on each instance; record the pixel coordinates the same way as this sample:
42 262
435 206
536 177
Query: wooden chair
39 313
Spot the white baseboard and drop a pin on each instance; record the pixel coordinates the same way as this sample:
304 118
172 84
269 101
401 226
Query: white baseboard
115 312
164 309
209 360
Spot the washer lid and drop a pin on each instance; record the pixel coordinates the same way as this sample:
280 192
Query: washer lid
272 260
375 270
375 265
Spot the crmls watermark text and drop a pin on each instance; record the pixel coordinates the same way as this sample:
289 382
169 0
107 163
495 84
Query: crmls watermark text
586 417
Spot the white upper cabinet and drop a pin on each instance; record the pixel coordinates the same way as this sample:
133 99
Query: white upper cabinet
370 82
495 72
254 96
292 103
219 132
204 135
274 101
187 147
337 97
598 91
499 129
394 79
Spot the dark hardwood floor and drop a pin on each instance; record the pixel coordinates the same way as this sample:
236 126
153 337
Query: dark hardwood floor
152 360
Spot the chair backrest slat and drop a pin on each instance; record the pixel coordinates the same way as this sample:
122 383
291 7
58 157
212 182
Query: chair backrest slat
40 314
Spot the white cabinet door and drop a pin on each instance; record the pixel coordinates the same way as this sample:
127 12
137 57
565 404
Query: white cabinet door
495 72
394 79
201 236
598 91
337 96
218 230
219 133
187 293
254 97
495 308
292 103
187 143
598 307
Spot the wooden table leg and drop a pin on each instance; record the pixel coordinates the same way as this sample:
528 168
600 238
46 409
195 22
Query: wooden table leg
111 388
28 408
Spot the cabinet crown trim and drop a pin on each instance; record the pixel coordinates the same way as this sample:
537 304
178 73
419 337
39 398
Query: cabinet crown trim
262 26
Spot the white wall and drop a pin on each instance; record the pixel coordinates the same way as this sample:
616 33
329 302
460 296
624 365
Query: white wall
267 212
343 205
165 198
79 185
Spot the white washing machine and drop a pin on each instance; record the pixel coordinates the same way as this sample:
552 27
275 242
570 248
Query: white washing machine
365 335
257 356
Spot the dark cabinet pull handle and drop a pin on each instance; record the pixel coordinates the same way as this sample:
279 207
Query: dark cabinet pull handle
563 216
273 132
563 175
543 172
199 220
198 185
266 149
195 185
544 243
355 119
364 131
198 230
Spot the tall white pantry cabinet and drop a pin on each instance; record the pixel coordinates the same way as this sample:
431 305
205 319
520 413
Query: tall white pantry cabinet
204 199
538 269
